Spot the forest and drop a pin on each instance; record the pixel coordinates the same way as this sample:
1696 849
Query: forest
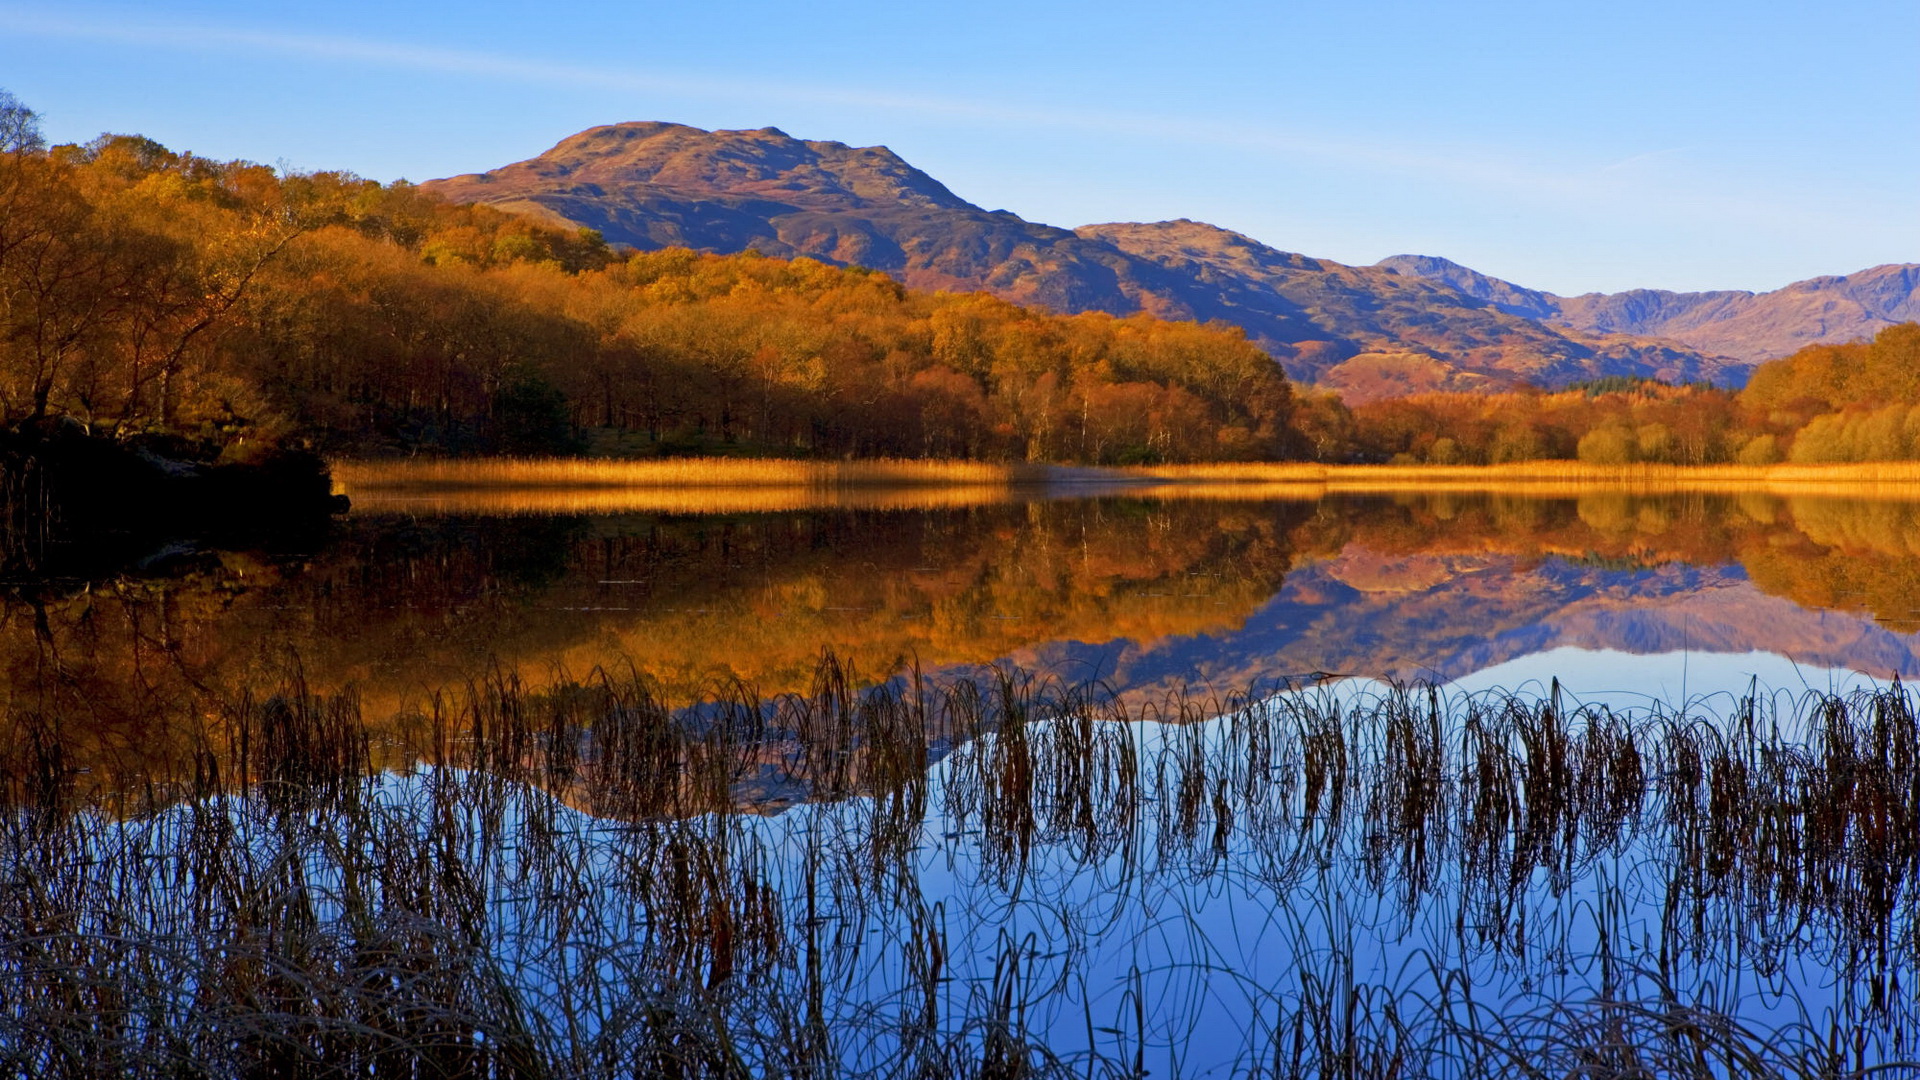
224 305
228 309
1824 404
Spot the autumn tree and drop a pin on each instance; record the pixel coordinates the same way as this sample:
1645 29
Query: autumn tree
149 293
19 127
1848 402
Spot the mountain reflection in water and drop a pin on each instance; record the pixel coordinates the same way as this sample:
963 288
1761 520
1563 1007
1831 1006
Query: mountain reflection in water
1139 592
1142 592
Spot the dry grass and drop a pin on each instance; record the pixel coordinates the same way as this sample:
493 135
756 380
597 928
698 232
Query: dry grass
758 499
724 485
694 485
1550 477
582 473
354 476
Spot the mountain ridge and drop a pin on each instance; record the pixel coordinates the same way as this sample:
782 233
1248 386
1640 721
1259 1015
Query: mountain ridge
1753 326
1367 331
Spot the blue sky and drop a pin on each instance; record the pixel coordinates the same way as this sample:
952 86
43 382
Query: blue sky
1684 144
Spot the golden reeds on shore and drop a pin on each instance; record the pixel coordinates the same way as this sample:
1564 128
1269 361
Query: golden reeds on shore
1545 476
692 485
455 473
735 485
542 499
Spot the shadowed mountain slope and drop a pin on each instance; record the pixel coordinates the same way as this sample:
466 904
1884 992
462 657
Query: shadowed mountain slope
1369 330
1755 327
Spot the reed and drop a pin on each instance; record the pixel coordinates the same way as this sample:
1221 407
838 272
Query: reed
546 500
741 472
282 907
456 473
729 485
1548 477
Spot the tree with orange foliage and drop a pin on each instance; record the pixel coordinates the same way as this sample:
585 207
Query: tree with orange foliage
149 292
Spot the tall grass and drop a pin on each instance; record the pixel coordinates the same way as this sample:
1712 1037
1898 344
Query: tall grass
543 500
671 472
725 485
279 906
676 486
737 472
1554 477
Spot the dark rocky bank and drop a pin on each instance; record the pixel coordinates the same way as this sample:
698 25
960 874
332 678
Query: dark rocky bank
78 505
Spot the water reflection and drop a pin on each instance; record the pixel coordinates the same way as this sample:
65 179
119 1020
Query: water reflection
1144 592
216 811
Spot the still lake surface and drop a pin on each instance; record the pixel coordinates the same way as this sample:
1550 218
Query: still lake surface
1187 945
1611 592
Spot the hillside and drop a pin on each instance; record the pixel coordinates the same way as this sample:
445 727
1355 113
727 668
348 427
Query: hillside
1372 333
221 312
1369 330
1753 327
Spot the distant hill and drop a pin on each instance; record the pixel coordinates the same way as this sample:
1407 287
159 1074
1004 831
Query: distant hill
1371 331
1753 327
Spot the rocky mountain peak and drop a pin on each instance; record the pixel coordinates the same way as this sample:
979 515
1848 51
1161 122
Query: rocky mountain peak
1754 327
760 164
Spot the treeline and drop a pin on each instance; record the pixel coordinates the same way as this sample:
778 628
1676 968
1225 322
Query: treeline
1853 402
679 352
1644 422
1826 403
150 294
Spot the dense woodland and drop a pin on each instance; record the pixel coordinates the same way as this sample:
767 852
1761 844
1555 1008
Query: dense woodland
1826 403
230 309
149 292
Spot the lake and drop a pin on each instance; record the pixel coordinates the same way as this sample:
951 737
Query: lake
982 781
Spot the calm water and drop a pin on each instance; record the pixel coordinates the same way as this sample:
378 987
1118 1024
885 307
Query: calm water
1150 946
1139 593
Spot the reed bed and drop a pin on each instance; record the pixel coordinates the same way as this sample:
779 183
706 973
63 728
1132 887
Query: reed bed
1558 477
737 472
515 501
720 485
584 881
548 500
417 474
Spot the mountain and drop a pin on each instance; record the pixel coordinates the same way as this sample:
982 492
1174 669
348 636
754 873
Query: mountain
1754 327
1370 331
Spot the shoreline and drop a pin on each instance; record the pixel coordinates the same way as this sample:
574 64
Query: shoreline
75 505
400 479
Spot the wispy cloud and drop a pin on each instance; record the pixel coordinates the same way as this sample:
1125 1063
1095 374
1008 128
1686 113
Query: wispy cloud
433 60
1488 170
1372 155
